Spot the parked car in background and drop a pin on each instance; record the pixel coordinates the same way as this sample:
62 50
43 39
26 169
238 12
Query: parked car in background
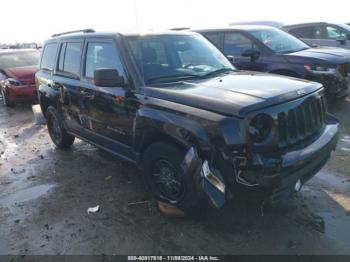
17 75
171 103
268 49
322 34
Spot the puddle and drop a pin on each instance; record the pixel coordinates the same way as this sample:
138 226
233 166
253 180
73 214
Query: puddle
25 195
336 226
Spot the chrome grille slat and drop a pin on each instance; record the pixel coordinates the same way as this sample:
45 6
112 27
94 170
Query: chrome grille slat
301 122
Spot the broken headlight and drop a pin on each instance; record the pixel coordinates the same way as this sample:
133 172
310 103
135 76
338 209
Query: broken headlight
260 127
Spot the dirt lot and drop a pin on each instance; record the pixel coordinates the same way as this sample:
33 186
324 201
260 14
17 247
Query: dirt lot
45 193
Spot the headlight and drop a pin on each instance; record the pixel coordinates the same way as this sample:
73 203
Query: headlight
12 82
260 127
320 69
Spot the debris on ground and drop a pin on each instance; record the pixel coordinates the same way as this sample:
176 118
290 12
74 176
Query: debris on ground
108 178
16 172
137 203
93 209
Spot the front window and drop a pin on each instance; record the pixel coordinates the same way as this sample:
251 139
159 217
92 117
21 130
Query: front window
278 41
19 59
176 57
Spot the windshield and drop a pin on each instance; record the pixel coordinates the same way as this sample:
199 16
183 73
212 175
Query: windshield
176 57
346 27
278 41
19 59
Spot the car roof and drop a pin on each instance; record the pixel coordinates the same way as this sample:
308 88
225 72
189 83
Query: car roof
237 27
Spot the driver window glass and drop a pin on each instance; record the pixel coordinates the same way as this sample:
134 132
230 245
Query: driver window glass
236 43
334 33
102 55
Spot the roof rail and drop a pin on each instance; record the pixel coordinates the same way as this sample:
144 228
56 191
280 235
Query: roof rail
75 31
179 28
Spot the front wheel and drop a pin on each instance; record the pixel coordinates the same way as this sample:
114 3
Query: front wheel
166 180
57 132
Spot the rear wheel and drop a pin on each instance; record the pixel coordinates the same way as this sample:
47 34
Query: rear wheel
57 132
166 180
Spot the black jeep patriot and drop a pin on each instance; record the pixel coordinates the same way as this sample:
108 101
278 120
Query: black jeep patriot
202 131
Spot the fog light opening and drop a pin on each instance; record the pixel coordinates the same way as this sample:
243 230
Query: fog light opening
298 185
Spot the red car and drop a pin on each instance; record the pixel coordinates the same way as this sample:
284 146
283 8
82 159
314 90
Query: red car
17 75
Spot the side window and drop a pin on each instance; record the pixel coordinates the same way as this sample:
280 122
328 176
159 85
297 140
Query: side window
69 59
102 55
304 32
214 38
334 33
236 43
48 56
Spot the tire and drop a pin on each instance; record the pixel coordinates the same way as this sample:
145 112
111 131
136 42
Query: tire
5 99
165 178
57 132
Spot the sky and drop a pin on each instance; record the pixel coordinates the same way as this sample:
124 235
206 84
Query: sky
37 20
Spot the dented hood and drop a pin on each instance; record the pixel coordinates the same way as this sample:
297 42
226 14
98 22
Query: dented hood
237 93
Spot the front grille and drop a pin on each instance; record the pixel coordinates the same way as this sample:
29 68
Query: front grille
302 122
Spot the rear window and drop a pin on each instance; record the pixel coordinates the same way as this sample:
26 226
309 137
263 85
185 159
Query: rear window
69 58
48 56
304 32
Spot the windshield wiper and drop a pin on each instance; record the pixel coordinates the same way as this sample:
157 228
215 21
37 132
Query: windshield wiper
171 77
219 71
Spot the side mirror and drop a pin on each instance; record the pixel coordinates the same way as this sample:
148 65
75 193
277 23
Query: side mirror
108 77
341 40
230 58
253 53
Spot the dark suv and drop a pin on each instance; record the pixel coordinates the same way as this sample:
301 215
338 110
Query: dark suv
175 106
268 49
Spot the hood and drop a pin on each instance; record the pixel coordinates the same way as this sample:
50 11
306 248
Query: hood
26 75
323 55
235 94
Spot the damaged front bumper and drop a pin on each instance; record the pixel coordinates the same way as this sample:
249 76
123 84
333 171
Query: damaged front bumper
275 181
209 180
296 167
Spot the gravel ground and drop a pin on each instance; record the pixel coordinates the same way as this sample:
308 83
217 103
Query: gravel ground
45 194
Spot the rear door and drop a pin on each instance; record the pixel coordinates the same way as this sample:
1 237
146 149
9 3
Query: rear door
305 33
108 112
66 80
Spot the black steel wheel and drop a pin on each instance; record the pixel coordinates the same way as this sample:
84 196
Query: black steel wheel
58 134
166 179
